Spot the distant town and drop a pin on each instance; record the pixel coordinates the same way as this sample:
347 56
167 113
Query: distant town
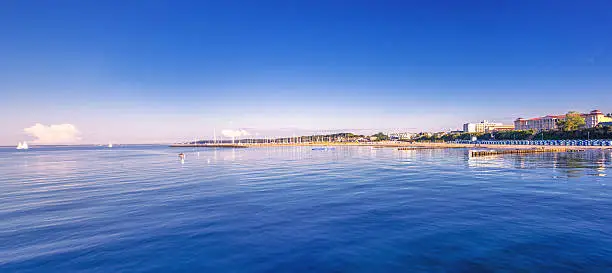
572 125
550 122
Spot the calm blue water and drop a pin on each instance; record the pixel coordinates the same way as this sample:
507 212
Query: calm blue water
357 209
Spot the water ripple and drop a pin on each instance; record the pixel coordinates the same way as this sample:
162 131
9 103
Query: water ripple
353 209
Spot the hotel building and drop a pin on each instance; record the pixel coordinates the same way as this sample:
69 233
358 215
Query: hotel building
592 119
483 126
497 128
541 123
595 118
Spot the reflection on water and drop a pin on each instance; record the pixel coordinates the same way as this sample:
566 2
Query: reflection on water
287 153
572 164
294 209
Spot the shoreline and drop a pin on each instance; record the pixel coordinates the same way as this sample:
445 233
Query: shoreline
415 145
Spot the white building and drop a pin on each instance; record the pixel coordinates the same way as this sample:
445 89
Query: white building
469 128
595 117
401 136
480 127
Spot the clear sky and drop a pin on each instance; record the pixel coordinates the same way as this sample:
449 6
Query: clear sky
145 71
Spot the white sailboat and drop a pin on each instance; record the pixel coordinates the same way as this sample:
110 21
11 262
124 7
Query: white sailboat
110 145
22 146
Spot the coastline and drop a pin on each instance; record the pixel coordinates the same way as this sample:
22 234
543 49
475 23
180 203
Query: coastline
415 145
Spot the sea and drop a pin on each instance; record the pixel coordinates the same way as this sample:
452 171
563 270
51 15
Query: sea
295 209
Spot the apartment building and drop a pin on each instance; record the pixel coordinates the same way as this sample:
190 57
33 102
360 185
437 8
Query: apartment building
480 127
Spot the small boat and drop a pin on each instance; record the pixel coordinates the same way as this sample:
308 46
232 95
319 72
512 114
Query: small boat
22 146
110 145
182 156
323 149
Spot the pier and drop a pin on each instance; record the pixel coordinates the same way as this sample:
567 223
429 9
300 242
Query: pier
521 151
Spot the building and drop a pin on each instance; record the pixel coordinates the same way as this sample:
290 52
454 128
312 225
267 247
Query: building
595 117
439 134
422 134
605 124
481 127
540 123
401 136
592 119
498 128
469 128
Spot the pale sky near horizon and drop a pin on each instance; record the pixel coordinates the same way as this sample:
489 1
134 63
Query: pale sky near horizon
166 71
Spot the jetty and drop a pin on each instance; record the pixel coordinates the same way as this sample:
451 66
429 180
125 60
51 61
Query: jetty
475 153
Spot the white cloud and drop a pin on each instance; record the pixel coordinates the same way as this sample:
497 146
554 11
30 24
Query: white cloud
234 133
53 134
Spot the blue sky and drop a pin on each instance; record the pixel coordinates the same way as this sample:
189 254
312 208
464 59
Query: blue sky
146 71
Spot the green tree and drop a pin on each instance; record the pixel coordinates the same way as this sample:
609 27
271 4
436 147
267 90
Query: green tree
381 136
572 122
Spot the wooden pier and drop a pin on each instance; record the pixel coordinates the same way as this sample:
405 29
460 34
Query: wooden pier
522 151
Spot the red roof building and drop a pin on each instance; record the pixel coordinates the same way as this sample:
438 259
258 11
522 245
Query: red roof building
549 122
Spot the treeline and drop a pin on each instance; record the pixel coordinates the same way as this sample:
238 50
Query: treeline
590 133
315 138
505 135
310 138
296 139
